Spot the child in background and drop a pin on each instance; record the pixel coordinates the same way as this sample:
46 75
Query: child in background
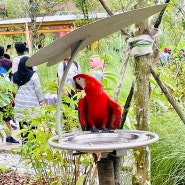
96 67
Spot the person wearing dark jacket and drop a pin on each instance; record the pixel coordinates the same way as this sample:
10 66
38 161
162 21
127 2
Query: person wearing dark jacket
28 95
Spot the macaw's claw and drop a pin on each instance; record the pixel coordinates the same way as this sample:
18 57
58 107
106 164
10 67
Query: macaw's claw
95 130
106 130
83 128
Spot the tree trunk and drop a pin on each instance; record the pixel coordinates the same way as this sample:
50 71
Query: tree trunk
141 172
142 92
105 172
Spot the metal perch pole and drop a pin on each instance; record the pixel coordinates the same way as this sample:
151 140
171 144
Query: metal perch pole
62 82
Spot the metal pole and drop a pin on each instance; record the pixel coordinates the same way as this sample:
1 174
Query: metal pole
62 82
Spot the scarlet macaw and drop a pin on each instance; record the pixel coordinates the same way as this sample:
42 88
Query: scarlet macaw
96 109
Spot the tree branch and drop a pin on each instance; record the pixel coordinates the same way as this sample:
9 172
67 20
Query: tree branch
121 75
159 19
107 9
168 95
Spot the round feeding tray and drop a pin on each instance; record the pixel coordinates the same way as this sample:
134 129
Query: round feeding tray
103 142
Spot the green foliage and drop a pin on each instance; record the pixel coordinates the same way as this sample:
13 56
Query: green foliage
6 96
3 167
168 153
183 24
17 12
47 75
53 166
108 82
172 76
6 91
172 27
25 8
86 6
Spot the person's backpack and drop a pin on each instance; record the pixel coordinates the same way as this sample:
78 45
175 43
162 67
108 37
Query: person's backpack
3 71
76 64
64 64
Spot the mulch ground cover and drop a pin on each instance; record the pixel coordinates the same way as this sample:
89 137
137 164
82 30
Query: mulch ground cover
14 178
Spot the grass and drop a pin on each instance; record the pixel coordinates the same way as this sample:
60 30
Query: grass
168 154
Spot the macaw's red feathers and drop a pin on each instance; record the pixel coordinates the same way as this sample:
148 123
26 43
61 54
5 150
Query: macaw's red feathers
96 110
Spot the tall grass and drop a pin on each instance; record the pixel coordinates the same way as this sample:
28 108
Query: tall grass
168 154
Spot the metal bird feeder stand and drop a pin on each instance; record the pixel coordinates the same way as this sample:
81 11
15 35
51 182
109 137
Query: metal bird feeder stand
115 143
119 141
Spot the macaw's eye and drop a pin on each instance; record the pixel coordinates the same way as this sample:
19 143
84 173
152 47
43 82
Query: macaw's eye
78 78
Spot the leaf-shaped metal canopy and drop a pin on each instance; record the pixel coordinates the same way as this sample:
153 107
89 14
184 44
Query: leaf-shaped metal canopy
65 45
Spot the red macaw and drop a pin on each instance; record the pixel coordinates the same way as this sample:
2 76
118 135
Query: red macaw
96 109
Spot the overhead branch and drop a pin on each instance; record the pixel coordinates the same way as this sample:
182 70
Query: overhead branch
159 19
168 95
107 9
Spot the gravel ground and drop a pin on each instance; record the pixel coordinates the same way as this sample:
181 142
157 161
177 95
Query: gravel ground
12 161
13 171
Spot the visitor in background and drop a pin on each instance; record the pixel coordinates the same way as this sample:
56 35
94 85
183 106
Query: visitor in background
4 62
7 54
96 67
20 48
74 70
164 57
170 55
182 55
29 94
6 109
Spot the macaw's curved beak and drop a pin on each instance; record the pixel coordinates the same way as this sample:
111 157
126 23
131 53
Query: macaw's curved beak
78 87
79 82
